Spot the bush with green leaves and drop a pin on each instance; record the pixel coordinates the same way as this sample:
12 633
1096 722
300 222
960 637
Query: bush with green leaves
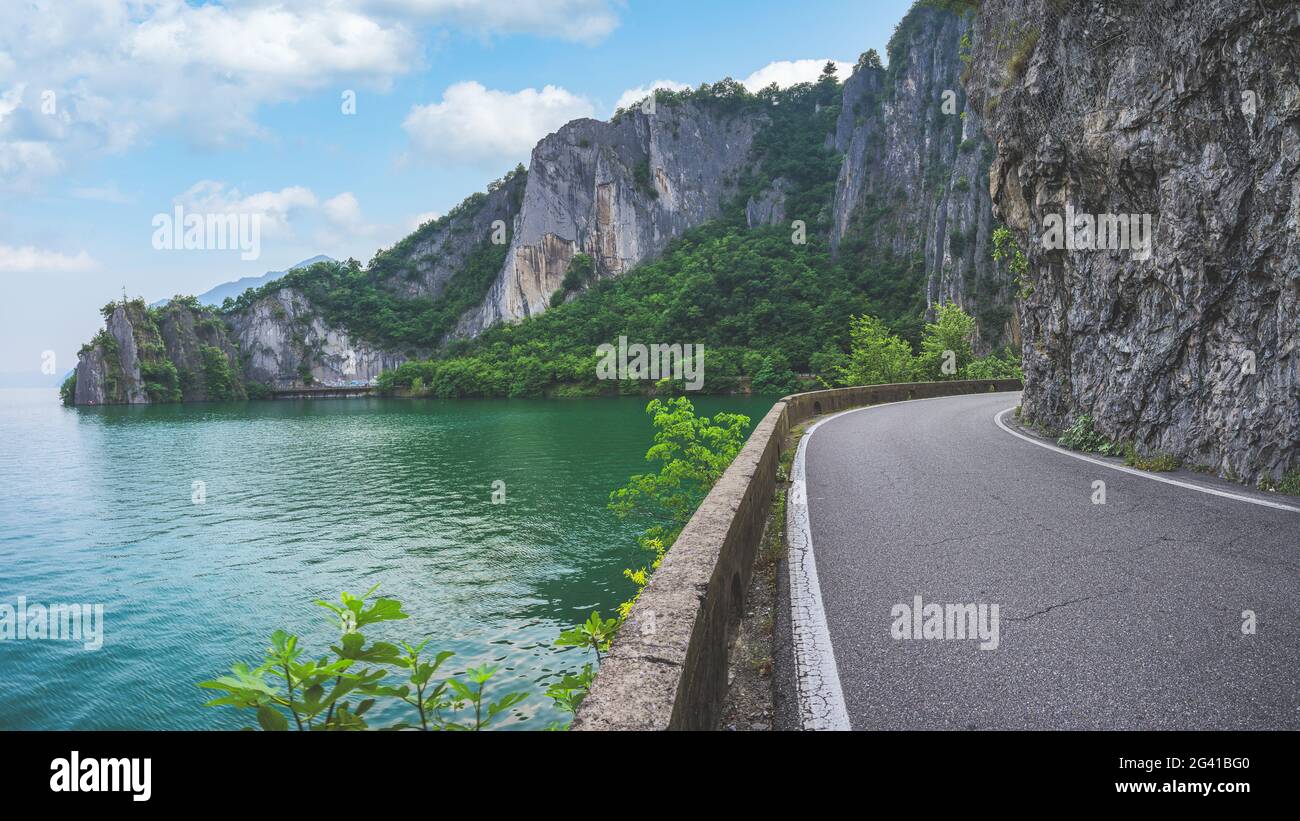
338 692
68 390
1154 462
879 357
1082 436
876 356
1005 365
946 344
693 451
1290 483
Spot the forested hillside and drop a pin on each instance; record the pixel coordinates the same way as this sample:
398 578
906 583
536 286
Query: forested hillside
754 223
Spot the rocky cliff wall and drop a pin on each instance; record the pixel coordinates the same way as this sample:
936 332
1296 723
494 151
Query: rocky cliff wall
179 352
283 340
915 165
1187 114
617 191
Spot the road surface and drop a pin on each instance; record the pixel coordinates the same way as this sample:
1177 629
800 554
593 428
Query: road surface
1122 615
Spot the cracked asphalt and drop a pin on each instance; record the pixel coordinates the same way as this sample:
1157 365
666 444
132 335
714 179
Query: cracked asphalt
1126 615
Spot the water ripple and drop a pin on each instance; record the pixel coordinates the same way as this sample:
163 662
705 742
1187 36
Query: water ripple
303 500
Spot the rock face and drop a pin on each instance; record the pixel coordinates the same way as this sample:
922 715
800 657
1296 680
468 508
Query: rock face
108 371
91 375
176 353
617 191
188 338
436 252
1189 113
915 158
283 340
768 208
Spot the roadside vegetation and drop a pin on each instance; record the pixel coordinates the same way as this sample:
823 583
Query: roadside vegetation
1083 436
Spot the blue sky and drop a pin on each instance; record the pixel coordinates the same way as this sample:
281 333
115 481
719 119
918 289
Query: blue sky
236 106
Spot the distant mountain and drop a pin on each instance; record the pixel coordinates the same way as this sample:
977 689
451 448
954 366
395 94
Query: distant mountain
218 295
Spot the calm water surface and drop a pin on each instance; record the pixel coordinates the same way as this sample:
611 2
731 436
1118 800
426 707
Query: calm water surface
303 500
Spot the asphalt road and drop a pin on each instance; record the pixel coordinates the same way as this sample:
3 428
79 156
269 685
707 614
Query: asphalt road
1123 615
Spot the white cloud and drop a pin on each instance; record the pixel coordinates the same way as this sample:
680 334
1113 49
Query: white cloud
27 259
126 71
786 73
635 95
292 212
275 208
9 101
97 76
343 211
480 125
23 161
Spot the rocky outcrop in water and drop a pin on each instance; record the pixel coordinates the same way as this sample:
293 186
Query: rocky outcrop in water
1186 113
179 352
108 369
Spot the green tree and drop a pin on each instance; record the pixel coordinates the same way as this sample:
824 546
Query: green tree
869 59
876 357
692 452
946 344
1007 251
581 273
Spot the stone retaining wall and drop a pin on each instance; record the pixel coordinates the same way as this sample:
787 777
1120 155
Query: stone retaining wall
667 669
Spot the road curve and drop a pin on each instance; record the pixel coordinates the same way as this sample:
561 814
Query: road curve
1123 615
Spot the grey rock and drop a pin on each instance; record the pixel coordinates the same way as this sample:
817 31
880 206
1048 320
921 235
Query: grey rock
111 375
282 332
1188 112
618 191
92 371
768 208
914 174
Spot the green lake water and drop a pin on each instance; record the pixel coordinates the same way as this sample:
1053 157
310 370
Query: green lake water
303 500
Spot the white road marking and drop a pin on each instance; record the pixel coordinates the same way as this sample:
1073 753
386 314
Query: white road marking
817 679
1145 475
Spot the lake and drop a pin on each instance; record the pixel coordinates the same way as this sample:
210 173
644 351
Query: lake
301 500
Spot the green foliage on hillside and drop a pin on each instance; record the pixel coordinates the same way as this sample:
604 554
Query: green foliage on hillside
364 301
68 390
754 299
877 357
357 299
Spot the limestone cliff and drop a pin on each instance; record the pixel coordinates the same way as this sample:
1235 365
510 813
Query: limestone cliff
915 158
1187 114
179 352
617 191
284 341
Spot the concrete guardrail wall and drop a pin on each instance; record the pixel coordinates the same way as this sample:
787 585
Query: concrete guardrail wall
667 669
